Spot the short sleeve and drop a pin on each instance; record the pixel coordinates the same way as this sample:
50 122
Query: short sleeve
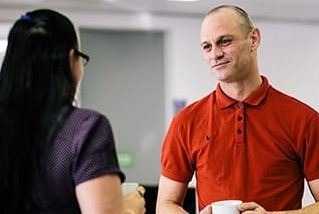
175 161
94 150
311 157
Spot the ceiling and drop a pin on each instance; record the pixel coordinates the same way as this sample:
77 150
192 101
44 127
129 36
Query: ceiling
296 10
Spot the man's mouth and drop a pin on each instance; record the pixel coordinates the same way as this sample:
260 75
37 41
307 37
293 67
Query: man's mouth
219 64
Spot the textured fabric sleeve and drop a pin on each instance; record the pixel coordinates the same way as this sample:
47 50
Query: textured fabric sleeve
175 161
94 148
311 159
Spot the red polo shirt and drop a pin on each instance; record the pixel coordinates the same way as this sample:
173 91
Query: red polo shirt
258 150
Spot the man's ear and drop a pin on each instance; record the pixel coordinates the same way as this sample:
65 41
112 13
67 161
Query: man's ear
71 59
255 38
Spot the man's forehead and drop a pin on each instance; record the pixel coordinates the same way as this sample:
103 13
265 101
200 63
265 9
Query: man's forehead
224 12
220 24
222 17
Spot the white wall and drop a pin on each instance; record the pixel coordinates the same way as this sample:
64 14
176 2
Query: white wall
289 57
288 54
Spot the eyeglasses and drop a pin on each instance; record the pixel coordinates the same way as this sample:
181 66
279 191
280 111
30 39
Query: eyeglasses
85 58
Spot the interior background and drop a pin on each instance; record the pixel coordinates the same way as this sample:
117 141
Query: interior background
288 56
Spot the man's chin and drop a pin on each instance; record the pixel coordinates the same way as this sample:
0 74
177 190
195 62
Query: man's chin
220 75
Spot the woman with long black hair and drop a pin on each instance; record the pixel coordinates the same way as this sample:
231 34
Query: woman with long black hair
54 157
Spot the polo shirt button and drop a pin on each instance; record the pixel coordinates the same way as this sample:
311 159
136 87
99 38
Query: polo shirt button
239 131
239 118
240 105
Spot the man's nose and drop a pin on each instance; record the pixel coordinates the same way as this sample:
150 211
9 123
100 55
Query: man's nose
216 52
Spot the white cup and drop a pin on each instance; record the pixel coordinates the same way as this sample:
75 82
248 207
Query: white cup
226 207
128 187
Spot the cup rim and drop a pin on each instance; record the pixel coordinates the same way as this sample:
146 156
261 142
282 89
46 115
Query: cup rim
129 184
227 202
128 187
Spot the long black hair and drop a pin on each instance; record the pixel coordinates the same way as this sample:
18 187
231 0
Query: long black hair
35 83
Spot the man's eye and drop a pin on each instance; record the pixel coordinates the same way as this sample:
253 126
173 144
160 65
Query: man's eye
224 42
206 47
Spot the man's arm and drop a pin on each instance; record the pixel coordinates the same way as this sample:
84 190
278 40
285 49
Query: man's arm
170 196
311 209
314 188
254 208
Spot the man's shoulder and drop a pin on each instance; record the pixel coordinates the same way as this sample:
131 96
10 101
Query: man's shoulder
290 103
198 109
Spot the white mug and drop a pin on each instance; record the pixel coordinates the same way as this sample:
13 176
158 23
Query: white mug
226 207
128 187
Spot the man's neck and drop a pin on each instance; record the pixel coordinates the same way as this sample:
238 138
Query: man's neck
240 90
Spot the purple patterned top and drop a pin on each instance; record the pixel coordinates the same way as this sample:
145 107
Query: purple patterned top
82 148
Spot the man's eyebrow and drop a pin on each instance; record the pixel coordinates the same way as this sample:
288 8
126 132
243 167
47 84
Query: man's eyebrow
218 39
224 36
204 43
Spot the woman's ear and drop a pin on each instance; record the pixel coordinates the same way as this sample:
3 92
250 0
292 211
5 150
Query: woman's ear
255 38
71 59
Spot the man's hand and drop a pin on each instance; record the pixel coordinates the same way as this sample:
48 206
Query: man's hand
251 208
207 210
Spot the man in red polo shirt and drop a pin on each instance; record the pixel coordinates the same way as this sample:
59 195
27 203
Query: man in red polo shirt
246 140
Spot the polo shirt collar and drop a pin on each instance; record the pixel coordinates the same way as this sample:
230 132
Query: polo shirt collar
223 101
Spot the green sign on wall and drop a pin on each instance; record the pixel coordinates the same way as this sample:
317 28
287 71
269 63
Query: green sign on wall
126 159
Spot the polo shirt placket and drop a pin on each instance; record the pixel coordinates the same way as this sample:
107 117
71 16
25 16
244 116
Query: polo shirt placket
239 123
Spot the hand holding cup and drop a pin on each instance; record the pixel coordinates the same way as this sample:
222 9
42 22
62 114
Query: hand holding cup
134 202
